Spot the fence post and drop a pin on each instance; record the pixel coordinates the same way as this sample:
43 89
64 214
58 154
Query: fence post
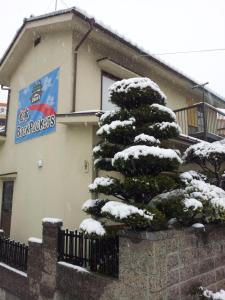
50 236
34 267
2 233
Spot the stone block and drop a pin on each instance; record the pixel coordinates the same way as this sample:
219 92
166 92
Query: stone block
173 293
206 265
188 271
172 261
220 273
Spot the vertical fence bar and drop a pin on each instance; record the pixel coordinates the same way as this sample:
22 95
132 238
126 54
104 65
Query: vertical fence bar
13 253
98 254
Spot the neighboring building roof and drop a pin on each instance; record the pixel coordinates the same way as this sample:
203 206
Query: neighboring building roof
98 24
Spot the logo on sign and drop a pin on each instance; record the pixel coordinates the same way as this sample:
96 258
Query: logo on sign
36 115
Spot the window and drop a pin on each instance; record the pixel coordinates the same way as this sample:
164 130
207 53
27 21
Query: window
107 81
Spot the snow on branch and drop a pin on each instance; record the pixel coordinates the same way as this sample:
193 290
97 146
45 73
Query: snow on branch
137 151
165 109
107 128
122 211
100 181
91 226
125 85
146 138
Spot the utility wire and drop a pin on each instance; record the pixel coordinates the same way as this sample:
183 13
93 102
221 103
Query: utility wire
187 52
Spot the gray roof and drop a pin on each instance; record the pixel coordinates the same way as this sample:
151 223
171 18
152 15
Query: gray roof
98 24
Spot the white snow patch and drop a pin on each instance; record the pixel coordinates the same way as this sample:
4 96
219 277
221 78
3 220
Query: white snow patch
92 226
108 113
100 181
35 240
89 203
51 220
107 128
192 203
142 150
122 210
214 296
198 225
190 175
172 221
166 125
204 149
13 269
207 192
125 85
100 158
77 268
164 109
96 149
146 138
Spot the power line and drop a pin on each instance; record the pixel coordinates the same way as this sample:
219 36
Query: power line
187 52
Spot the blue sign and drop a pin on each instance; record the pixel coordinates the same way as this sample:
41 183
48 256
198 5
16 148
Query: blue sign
36 114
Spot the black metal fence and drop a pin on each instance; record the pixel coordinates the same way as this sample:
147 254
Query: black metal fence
97 254
13 254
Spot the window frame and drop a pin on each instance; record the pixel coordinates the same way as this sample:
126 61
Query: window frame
110 76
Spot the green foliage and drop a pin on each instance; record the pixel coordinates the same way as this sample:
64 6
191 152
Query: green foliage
96 209
112 189
122 135
168 131
210 157
104 164
143 188
147 114
141 113
106 149
115 115
208 198
138 222
136 96
145 165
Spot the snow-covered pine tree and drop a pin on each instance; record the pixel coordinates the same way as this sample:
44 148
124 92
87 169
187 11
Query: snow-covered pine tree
210 157
131 137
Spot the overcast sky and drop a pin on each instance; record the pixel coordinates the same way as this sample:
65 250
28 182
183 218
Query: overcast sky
159 26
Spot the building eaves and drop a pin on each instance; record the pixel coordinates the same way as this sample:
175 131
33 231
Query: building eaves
98 24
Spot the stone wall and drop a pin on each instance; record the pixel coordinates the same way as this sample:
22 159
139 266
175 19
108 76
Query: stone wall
153 265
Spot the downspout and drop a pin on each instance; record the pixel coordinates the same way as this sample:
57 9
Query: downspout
4 88
91 24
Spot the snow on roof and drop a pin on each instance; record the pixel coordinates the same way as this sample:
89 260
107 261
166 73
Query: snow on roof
86 16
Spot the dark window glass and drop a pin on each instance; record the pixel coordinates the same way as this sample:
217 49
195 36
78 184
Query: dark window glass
7 195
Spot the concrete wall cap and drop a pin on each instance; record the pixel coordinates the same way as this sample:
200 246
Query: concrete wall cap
165 234
35 240
52 221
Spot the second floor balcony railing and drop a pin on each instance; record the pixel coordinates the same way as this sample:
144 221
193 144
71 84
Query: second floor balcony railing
202 121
